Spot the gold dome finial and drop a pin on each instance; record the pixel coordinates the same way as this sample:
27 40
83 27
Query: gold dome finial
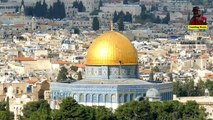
111 25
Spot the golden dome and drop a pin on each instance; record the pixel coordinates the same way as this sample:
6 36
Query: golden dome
111 48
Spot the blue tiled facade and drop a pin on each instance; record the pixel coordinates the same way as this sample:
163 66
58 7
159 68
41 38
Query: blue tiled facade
101 93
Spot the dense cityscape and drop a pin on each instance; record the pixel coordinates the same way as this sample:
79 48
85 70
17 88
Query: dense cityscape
105 60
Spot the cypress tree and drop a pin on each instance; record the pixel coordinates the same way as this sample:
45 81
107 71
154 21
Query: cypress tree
95 24
166 19
8 105
50 13
125 1
100 4
115 17
128 17
63 12
41 10
44 6
81 7
62 75
158 20
121 25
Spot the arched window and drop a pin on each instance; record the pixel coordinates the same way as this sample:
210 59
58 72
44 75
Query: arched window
17 90
113 98
131 96
125 98
94 98
75 96
120 98
88 98
5 89
81 98
106 98
100 98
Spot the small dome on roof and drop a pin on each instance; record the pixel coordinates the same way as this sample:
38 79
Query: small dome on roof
153 93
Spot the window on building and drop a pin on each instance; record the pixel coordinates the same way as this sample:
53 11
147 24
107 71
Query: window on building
17 90
125 98
113 98
5 89
120 98
88 98
99 71
106 98
94 98
100 98
75 97
131 96
81 98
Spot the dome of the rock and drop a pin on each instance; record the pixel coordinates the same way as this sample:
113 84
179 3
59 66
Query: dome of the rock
111 48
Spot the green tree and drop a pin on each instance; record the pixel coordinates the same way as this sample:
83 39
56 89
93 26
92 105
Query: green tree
115 17
125 1
128 17
39 109
56 115
7 105
165 9
200 88
62 75
134 111
76 30
79 75
74 68
133 1
44 9
4 115
58 10
189 87
100 4
209 86
121 14
166 19
28 11
3 106
121 25
156 69
95 24
191 110
103 113
40 115
153 8
41 10
70 109
157 20
79 6
50 12
151 76
143 12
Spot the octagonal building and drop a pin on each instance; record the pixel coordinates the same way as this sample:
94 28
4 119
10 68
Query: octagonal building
111 76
